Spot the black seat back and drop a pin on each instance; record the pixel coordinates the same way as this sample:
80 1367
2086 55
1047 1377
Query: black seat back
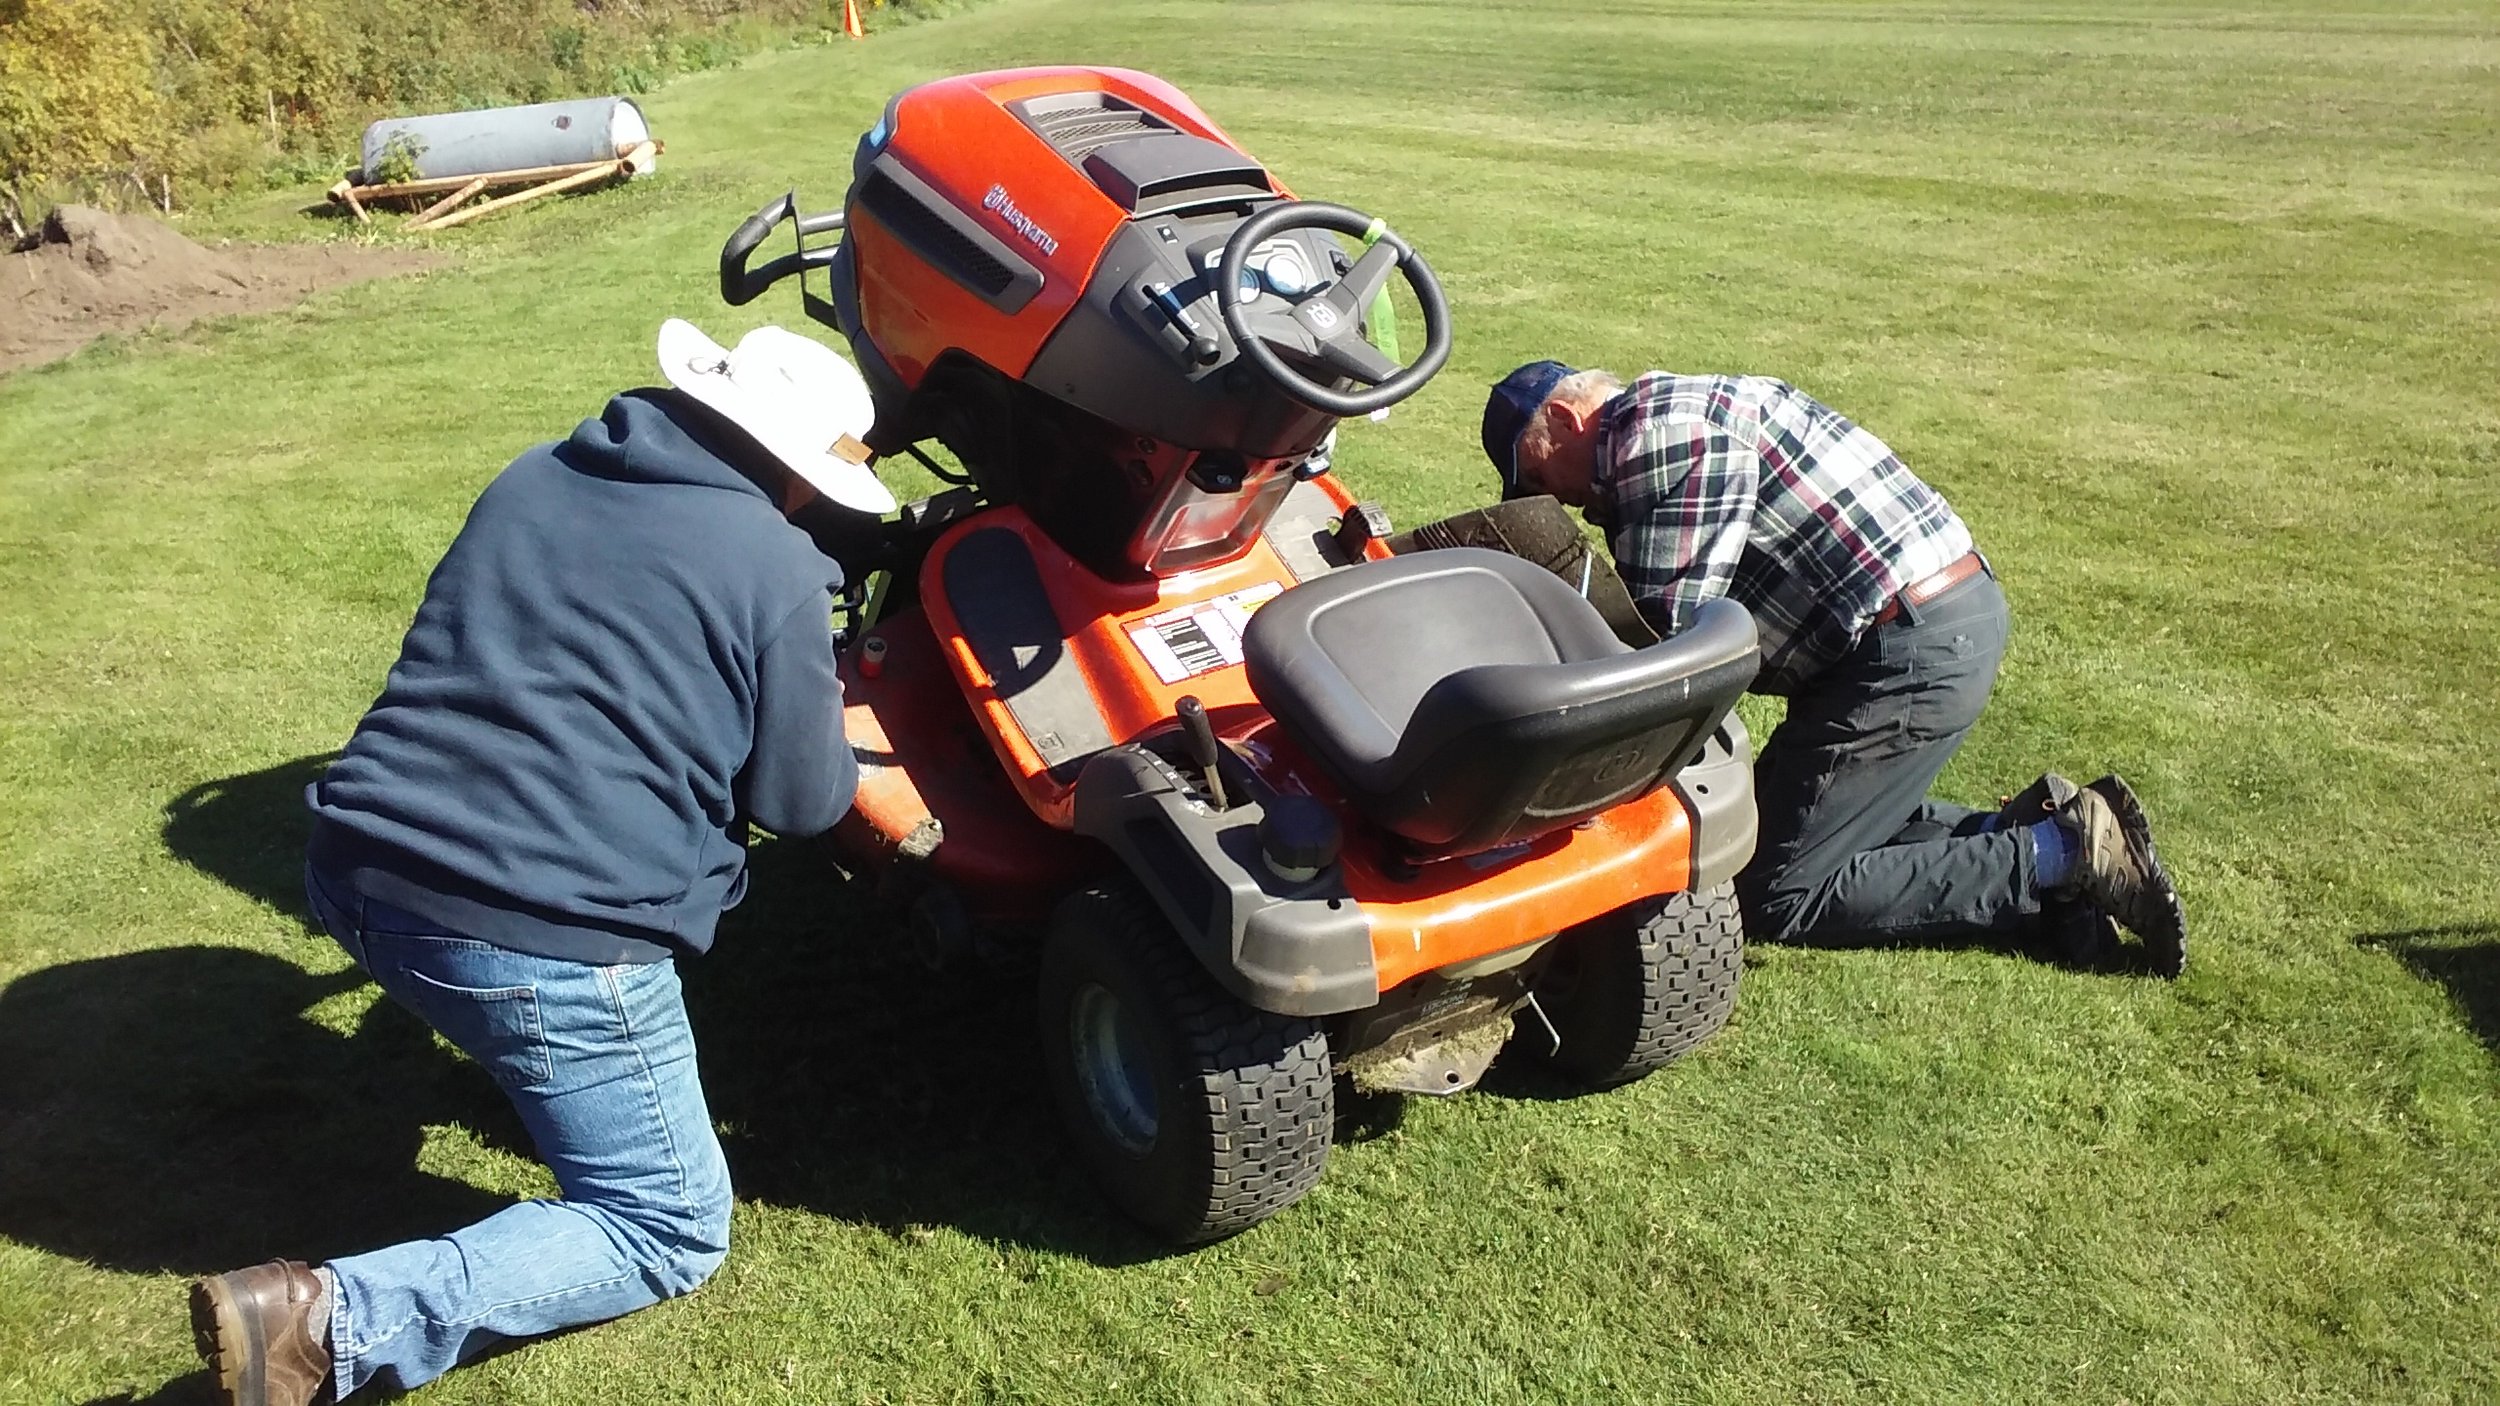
1467 699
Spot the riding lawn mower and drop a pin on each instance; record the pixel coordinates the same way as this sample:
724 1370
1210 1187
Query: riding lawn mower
1297 806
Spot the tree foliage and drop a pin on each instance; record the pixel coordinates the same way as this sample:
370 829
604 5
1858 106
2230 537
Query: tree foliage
108 97
77 93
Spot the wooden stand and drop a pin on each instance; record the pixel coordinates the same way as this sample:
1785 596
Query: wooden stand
455 191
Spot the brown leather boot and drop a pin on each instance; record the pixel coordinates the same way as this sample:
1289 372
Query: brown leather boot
265 1333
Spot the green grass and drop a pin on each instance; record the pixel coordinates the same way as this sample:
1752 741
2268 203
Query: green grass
2190 310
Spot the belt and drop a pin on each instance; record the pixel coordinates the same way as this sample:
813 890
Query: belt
1927 588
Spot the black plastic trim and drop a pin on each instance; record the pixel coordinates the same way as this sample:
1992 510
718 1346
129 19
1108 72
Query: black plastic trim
1716 790
996 592
914 212
1081 123
1292 948
1167 171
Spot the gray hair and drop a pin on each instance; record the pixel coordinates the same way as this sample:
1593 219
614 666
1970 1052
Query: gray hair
1580 388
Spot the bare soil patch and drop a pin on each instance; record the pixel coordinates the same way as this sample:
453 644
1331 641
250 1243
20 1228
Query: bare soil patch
89 272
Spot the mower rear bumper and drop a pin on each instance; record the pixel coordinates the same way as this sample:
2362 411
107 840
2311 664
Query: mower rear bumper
1292 948
1314 947
1717 791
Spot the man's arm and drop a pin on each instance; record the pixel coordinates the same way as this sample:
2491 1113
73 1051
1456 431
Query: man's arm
800 777
1684 495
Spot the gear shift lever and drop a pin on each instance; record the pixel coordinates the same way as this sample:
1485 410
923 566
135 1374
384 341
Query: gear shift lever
1199 734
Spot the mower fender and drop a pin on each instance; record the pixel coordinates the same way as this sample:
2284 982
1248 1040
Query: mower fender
1294 948
1717 791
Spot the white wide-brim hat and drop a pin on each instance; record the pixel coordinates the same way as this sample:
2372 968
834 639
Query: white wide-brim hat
792 395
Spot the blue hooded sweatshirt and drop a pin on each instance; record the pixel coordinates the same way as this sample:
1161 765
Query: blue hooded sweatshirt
626 655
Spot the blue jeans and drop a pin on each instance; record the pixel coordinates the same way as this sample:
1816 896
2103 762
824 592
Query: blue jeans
600 1063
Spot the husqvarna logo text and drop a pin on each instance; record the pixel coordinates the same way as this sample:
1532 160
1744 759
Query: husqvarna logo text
1005 206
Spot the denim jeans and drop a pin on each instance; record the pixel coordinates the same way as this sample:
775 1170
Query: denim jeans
599 1061
1852 846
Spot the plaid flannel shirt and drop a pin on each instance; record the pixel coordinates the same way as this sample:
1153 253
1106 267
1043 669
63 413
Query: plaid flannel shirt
1746 487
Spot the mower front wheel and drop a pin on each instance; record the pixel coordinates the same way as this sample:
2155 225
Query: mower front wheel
1630 992
1199 1114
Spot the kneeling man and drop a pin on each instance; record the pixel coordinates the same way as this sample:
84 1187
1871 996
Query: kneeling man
1882 627
625 657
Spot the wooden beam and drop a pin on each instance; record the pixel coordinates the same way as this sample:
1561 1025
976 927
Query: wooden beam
592 176
345 194
439 184
444 205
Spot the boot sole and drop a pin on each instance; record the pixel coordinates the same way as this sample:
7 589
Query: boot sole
229 1341
2165 931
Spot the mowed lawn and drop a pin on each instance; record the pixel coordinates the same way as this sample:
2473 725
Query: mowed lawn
2193 312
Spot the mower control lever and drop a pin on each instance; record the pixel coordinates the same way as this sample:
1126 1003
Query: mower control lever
1204 350
1199 735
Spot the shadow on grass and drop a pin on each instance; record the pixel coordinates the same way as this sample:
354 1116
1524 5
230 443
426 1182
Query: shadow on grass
174 1110
2463 957
190 1389
852 1081
2035 944
248 832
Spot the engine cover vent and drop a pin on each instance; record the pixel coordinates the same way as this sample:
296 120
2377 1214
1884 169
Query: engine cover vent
926 230
948 240
1079 124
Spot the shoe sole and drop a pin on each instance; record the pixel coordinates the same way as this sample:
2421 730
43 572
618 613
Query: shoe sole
229 1341
2164 934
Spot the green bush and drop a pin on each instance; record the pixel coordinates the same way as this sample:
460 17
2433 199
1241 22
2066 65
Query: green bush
103 99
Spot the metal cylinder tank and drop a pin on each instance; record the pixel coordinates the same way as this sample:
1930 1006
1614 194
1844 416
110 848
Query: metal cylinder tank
505 139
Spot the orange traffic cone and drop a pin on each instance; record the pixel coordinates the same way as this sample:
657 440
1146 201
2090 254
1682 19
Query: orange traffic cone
850 20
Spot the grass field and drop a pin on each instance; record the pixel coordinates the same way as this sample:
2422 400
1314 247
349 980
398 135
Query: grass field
2192 311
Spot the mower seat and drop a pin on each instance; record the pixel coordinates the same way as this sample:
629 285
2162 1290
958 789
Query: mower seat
1467 699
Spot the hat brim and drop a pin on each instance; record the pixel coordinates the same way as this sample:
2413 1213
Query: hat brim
699 367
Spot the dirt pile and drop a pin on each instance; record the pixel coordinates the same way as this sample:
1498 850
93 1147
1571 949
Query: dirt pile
89 272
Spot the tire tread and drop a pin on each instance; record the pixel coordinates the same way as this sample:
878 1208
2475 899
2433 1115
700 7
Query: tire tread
1661 979
1261 1084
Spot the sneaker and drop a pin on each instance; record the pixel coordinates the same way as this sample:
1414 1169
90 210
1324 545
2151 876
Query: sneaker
2165 929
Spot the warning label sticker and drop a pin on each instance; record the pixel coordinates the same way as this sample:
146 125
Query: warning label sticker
1200 638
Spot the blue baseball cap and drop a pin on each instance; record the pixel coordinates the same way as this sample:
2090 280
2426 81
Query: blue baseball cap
1507 412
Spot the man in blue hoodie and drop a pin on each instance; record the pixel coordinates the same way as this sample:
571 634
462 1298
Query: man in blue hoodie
624 660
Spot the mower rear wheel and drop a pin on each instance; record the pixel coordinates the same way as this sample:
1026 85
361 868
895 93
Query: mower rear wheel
1199 1114
1630 992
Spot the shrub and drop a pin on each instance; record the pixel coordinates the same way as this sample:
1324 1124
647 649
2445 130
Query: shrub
101 99
77 103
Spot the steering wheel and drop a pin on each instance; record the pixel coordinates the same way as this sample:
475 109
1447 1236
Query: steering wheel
1325 325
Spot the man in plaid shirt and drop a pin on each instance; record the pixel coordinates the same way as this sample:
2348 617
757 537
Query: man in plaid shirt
1881 626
